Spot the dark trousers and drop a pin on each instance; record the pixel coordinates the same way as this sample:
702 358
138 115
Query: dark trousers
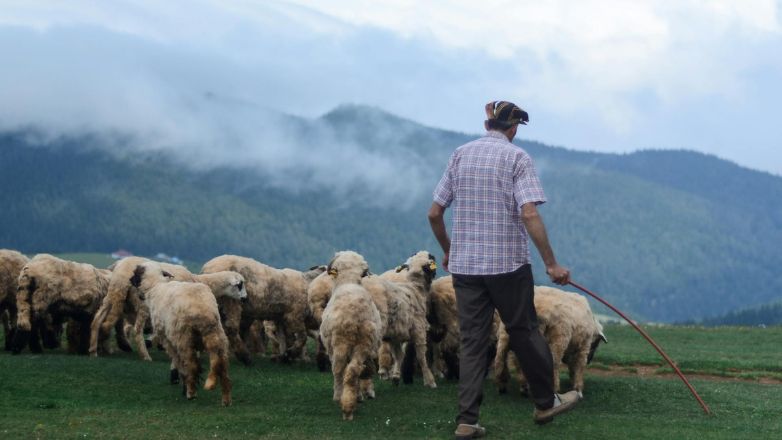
512 294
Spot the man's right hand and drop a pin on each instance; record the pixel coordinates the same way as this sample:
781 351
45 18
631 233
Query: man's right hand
558 274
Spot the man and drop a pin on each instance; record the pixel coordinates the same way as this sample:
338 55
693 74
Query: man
494 190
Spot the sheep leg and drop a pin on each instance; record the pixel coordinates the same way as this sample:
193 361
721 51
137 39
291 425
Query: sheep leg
115 302
366 386
97 324
321 357
120 336
50 332
297 334
138 329
438 364
350 382
397 354
24 290
523 385
36 334
339 360
282 341
190 365
231 315
218 366
7 330
501 373
419 336
386 360
576 367
557 351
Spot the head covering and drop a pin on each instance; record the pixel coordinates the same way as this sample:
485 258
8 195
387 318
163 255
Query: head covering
504 115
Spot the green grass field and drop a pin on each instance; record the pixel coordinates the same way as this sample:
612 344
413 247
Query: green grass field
56 395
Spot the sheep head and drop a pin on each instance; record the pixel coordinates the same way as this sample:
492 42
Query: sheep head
347 267
225 284
421 263
599 337
147 275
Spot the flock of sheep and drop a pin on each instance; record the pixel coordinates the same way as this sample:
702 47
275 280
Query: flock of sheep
393 324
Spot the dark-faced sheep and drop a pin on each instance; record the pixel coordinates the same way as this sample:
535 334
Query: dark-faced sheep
566 321
185 320
351 331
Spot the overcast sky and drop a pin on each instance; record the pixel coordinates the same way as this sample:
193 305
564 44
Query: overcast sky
612 76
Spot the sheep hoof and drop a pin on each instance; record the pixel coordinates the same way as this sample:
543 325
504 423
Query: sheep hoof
245 359
502 389
347 416
210 383
395 381
432 385
227 401
580 394
174 377
147 343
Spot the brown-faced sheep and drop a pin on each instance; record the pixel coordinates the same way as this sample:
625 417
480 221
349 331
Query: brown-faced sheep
118 304
278 295
351 331
573 334
185 319
53 289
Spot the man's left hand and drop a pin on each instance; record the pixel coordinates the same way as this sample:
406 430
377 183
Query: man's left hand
559 274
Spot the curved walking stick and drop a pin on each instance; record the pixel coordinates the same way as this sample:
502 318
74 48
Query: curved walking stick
648 338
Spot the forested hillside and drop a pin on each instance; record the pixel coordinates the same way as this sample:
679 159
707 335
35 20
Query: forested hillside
667 235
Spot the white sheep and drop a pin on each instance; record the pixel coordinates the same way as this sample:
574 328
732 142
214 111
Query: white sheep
54 289
119 304
351 331
278 295
185 320
573 334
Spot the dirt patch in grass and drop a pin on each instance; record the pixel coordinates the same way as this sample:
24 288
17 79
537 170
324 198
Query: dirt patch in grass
654 371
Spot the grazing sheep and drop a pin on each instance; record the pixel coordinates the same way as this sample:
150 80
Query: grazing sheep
408 305
351 331
11 263
402 308
278 295
185 319
573 334
52 289
444 329
118 303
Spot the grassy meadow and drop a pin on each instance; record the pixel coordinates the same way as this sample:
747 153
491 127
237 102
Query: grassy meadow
56 395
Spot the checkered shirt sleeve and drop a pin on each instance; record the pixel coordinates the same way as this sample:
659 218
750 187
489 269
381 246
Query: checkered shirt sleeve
526 185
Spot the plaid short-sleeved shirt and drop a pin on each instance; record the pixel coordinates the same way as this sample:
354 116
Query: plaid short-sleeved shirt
487 181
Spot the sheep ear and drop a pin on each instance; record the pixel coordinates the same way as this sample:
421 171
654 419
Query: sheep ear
431 267
402 267
167 275
135 280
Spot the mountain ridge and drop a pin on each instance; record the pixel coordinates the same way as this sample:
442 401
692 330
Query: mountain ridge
653 231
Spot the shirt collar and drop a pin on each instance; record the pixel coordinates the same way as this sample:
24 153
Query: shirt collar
497 135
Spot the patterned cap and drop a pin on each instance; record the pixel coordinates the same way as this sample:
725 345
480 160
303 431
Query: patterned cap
507 114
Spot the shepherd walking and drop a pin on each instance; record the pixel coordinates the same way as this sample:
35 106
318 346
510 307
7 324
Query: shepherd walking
494 190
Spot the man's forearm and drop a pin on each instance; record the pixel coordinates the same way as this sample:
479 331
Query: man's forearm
533 222
437 222
441 234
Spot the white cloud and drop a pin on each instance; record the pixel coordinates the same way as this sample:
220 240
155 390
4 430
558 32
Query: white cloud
595 74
